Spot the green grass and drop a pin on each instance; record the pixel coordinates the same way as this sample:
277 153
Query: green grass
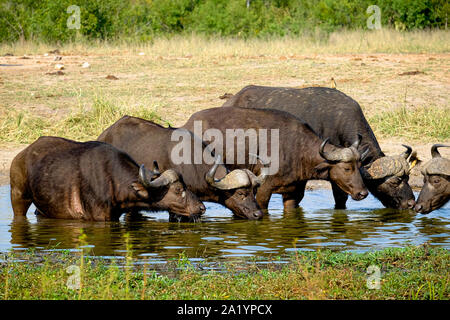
406 273
81 124
420 123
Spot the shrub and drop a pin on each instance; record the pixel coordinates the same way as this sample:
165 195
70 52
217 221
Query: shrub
46 20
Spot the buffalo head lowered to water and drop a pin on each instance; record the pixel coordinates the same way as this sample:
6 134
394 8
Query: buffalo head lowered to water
237 187
436 191
387 178
341 162
181 201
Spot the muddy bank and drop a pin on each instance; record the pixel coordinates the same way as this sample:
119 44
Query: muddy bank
389 147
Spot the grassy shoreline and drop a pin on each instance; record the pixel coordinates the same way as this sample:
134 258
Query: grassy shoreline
405 273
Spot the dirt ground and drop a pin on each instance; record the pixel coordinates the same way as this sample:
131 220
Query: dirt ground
177 86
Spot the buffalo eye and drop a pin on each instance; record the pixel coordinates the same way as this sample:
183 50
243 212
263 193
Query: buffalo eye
395 181
435 180
241 194
178 190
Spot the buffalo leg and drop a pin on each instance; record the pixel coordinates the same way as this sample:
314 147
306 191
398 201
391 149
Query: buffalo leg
135 215
340 197
20 202
263 197
291 200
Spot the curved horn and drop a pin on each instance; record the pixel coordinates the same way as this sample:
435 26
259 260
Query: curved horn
434 150
365 154
264 172
343 154
143 177
322 153
156 168
357 142
210 175
233 180
168 176
408 151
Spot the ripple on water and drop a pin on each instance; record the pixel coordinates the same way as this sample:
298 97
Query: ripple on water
212 238
364 226
256 248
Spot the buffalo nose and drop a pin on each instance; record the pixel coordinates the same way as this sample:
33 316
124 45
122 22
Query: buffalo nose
258 214
363 194
411 203
418 208
202 208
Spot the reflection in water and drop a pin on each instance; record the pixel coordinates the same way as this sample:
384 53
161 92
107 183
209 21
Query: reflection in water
364 226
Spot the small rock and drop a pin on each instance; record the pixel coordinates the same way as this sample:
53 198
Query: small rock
111 77
56 73
142 53
8 54
57 58
56 51
85 65
59 66
411 73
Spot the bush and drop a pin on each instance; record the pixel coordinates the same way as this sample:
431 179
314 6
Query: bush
46 20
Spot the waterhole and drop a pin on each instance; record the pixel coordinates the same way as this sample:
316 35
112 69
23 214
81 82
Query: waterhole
364 225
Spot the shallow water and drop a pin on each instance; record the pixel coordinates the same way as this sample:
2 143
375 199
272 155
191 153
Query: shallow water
365 225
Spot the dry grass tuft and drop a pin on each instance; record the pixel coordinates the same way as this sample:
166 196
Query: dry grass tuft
339 42
415 124
82 124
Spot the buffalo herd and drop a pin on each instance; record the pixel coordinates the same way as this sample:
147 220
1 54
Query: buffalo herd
136 164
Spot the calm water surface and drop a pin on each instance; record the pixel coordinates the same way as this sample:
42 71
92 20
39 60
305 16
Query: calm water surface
364 226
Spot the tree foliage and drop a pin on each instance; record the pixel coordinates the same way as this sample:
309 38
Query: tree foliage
46 20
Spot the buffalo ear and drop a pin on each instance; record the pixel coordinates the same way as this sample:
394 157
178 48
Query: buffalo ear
321 170
140 190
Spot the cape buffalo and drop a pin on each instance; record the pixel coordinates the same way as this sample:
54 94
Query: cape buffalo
302 154
92 181
146 141
333 114
436 176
